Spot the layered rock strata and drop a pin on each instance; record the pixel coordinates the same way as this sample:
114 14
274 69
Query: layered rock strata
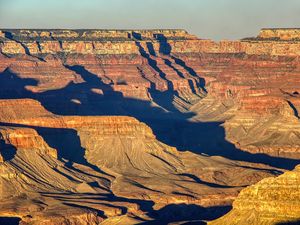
270 201
55 84
117 158
171 68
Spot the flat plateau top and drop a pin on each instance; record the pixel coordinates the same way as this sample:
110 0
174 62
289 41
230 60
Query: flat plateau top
22 34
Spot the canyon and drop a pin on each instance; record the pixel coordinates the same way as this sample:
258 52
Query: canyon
148 126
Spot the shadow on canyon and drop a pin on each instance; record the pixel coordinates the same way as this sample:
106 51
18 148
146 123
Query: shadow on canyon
66 141
10 220
194 214
296 222
165 215
171 127
8 151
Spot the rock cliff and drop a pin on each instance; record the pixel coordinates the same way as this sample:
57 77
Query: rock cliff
270 201
92 114
280 33
116 157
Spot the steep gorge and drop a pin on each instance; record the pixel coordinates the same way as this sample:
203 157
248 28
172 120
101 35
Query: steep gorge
99 109
116 157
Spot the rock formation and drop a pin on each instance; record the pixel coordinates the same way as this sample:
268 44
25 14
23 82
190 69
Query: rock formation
133 168
280 33
252 84
91 115
270 201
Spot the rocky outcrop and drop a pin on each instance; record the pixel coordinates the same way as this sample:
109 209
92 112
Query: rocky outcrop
257 97
107 54
270 201
100 42
78 71
23 138
11 110
69 217
115 42
272 128
116 157
92 114
280 33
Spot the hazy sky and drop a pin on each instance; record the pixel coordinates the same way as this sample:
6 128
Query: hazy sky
216 19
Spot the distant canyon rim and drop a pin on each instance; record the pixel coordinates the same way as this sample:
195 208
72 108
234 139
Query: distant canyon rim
149 127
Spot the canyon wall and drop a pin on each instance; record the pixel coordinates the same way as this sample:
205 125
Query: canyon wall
256 80
280 42
270 201
288 34
98 111
111 165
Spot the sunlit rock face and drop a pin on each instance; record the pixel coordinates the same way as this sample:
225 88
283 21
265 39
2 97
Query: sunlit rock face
270 201
112 165
136 125
250 85
280 33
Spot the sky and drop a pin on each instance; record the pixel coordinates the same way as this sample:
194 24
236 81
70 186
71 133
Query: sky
213 19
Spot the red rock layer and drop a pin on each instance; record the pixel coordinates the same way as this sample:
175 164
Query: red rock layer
117 165
265 94
252 86
255 79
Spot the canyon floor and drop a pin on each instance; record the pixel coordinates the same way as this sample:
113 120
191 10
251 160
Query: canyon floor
149 127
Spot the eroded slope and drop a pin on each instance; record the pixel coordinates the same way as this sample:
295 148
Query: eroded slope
112 166
210 98
270 201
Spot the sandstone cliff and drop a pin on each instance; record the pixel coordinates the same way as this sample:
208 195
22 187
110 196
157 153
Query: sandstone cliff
252 85
280 33
92 116
102 42
117 158
270 201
